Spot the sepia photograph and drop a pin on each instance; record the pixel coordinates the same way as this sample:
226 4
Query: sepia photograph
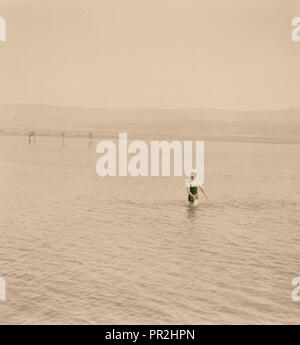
150 164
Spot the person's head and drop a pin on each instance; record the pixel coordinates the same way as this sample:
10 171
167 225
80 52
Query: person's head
193 175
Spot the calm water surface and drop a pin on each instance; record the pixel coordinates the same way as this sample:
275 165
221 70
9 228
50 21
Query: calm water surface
77 248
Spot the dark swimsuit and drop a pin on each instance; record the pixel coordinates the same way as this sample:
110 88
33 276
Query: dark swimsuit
194 191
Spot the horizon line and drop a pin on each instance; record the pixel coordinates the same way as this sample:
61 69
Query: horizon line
152 108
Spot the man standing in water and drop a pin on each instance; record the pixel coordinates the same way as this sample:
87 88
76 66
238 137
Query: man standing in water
192 187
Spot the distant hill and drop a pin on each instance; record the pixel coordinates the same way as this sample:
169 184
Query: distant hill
211 124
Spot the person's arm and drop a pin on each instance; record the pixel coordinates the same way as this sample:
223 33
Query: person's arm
203 192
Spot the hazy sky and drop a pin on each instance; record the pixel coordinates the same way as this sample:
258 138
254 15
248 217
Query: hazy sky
150 53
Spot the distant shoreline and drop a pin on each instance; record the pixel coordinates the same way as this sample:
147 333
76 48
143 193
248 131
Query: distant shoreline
282 127
206 138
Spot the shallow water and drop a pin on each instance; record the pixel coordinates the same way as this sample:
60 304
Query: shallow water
78 248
